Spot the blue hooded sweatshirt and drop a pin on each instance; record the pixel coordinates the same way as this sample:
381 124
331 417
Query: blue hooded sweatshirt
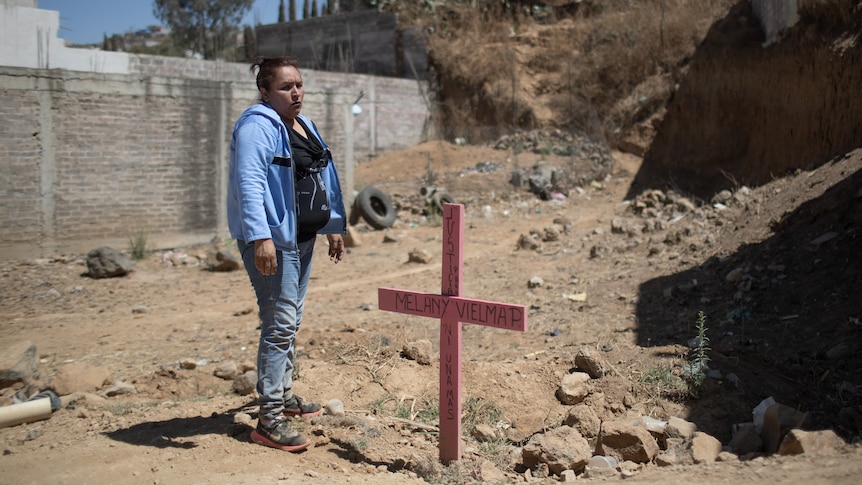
261 203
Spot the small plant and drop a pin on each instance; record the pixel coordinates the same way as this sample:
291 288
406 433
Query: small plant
138 244
696 369
478 411
666 381
429 410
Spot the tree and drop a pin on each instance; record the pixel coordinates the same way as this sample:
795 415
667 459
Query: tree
202 26
306 9
313 9
292 10
248 41
280 11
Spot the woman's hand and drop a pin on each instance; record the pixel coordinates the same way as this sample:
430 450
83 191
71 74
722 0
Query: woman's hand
336 247
264 257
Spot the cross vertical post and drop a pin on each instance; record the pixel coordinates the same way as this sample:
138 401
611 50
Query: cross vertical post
452 310
450 335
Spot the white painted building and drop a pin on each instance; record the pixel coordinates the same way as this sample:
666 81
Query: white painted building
28 38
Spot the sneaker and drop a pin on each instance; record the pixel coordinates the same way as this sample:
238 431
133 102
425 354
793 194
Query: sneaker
279 435
295 407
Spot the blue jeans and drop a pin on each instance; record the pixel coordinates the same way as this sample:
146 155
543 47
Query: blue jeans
280 301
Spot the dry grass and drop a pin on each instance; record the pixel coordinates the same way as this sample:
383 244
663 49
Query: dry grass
502 66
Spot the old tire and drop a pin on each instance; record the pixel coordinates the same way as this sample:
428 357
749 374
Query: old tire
376 207
440 198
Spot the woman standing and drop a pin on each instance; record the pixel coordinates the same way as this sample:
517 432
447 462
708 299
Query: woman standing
283 190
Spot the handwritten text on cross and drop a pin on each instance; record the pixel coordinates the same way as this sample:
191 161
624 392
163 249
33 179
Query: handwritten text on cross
452 310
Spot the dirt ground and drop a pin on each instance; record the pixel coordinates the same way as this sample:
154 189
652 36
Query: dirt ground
628 293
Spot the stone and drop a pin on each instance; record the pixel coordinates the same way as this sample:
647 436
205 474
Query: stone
79 377
560 449
797 442
334 407
227 370
524 426
573 388
18 363
222 260
626 443
745 439
588 362
107 262
245 383
120 388
420 351
704 448
419 256
529 242
584 419
778 419
490 473
484 433
535 282
352 238
679 428
188 364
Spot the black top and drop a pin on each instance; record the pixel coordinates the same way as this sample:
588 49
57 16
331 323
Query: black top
310 158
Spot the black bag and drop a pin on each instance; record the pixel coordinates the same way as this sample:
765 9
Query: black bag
312 202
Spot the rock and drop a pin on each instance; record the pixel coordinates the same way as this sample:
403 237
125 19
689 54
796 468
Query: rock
490 473
227 370
188 364
420 351
722 197
419 256
573 388
352 239
524 426
704 448
77 377
242 418
107 263
334 407
626 442
535 282
560 449
568 476
679 428
140 310
484 433
584 419
529 242
221 259
120 388
245 384
797 442
778 419
587 361
18 363
246 366
551 234
390 238
745 439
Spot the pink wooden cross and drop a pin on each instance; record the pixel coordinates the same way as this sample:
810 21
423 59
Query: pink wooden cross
452 310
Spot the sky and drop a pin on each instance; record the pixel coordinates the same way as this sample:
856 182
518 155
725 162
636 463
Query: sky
86 21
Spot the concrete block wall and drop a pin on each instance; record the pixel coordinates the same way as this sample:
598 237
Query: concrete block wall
96 146
366 42
88 159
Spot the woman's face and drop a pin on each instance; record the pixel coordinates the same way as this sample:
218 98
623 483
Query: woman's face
285 93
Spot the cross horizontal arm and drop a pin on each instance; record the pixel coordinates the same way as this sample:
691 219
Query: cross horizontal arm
453 308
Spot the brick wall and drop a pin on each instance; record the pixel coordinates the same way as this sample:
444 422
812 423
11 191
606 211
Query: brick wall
88 159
